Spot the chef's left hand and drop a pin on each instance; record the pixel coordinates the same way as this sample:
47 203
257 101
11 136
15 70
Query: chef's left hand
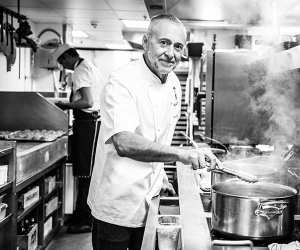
167 189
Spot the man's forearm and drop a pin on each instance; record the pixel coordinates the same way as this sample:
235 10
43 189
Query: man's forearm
139 148
79 104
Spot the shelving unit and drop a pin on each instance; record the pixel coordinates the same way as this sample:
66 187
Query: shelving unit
7 194
181 125
38 209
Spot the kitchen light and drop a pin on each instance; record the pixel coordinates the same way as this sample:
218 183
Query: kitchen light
118 45
135 24
265 30
212 24
79 34
210 10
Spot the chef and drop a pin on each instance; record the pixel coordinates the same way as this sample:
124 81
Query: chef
139 110
87 83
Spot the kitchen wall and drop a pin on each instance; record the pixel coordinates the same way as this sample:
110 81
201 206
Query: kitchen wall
109 60
43 79
12 80
224 38
35 79
27 77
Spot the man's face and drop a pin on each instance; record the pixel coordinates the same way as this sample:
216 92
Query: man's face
164 47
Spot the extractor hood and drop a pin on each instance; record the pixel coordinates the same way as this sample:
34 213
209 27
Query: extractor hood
222 11
230 12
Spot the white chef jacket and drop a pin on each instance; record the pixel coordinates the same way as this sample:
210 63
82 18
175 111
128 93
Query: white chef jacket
86 74
133 100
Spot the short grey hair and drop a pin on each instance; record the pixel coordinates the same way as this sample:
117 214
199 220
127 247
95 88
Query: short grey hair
160 17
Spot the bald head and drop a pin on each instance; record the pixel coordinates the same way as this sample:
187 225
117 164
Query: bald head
155 20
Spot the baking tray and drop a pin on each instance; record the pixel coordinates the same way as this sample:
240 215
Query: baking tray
32 135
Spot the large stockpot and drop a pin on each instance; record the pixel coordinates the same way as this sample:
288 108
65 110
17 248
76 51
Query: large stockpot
255 211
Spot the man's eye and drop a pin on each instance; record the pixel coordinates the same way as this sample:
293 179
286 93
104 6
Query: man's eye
164 43
178 47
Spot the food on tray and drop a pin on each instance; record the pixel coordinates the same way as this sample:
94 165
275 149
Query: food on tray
34 135
3 134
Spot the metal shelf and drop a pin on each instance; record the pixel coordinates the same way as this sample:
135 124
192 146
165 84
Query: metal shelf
6 186
29 209
5 220
35 176
5 150
53 212
47 196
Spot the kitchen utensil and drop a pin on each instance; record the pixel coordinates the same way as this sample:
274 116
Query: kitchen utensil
220 167
1 28
240 174
266 168
6 29
257 211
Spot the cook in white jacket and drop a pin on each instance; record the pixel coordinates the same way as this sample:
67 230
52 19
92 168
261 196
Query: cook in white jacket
140 108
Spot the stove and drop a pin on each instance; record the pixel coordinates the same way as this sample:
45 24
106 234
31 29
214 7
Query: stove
239 243
257 244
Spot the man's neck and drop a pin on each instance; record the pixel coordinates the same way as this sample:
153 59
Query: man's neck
77 62
163 78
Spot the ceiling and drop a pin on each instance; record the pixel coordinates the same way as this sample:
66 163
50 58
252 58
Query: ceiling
100 19
106 15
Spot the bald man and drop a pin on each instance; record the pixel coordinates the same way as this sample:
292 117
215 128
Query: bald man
140 108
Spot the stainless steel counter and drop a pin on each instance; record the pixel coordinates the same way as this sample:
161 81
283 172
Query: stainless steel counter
33 157
195 234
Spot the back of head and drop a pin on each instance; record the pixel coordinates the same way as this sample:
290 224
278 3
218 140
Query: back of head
65 49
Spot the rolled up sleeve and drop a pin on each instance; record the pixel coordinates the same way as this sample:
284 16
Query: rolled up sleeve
119 110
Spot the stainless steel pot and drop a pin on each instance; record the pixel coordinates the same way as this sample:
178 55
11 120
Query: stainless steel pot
253 210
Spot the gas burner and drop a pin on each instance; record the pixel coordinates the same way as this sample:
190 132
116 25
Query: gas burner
263 242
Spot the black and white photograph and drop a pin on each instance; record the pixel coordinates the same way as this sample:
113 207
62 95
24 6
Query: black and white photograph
149 125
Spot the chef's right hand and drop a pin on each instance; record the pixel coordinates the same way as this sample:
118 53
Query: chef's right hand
198 158
193 157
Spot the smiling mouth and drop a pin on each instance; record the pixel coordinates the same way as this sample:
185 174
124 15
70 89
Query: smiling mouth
167 63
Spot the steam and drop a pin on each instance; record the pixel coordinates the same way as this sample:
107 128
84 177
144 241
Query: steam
244 12
272 93
273 98
257 12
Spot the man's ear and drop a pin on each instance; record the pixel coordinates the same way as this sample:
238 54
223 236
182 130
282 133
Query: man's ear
145 42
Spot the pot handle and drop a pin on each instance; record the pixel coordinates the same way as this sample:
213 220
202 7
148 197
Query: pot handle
269 209
248 243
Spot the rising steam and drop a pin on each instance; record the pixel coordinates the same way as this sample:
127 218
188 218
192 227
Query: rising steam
273 97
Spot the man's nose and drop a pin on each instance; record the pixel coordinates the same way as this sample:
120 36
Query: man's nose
170 52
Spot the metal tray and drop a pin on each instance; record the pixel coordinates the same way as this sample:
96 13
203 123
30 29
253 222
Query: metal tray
14 136
30 139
